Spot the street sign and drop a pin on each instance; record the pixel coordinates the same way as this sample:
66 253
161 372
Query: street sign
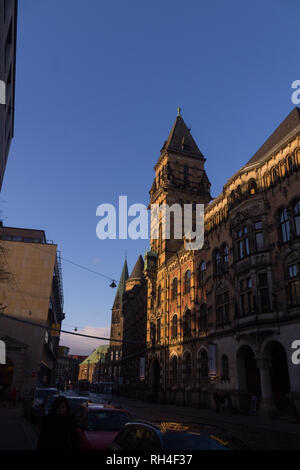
55 329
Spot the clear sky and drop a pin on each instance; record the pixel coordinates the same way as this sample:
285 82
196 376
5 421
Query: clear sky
97 90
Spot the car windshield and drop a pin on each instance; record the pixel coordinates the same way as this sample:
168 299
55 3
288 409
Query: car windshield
102 420
44 393
190 441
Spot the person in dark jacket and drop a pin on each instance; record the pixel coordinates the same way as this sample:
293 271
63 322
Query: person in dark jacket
59 430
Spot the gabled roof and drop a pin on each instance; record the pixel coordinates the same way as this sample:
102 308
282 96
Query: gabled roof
94 357
180 140
138 270
288 125
121 285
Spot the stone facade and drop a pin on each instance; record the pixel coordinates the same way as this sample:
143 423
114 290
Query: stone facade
224 317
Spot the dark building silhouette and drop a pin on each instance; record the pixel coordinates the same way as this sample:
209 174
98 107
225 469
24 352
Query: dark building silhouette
8 33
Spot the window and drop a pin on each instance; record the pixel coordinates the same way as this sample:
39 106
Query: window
202 325
158 330
187 323
259 235
225 253
264 292
174 289
159 296
246 296
290 164
217 262
252 187
243 243
224 368
203 365
188 367
296 216
222 308
187 282
201 273
294 283
174 368
174 331
285 230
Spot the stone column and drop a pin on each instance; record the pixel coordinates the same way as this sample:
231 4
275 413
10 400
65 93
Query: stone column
267 405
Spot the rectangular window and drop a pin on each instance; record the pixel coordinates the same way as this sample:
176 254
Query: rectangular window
264 292
222 308
243 243
246 296
259 236
294 284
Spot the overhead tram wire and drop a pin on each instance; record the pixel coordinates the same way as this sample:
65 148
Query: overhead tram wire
64 331
77 264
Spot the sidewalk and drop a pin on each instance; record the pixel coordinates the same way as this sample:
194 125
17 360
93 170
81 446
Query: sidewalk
15 432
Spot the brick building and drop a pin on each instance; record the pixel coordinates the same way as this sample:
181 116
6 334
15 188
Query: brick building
225 317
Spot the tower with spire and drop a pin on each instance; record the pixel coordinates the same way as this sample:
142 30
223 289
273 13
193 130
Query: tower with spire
180 178
116 329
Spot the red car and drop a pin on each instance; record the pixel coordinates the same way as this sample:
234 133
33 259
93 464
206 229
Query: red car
99 425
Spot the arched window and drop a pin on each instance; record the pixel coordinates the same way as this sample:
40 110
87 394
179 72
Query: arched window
252 187
187 282
290 164
238 192
201 273
274 174
174 367
296 216
203 364
202 326
187 328
282 169
224 368
285 230
188 366
174 331
174 288
267 180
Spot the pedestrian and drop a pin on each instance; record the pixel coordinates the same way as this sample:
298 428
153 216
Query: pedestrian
59 429
13 397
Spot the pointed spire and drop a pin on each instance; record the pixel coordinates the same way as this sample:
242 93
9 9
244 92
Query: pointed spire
180 139
122 281
138 270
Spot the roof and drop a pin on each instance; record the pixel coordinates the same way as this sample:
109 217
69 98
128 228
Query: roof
122 282
94 357
288 125
180 140
138 270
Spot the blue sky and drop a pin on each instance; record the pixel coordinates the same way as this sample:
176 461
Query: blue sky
97 90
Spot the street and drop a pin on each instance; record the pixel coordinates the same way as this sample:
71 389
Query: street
255 432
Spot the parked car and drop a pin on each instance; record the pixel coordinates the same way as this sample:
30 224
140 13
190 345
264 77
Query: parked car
99 424
34 403
140 435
